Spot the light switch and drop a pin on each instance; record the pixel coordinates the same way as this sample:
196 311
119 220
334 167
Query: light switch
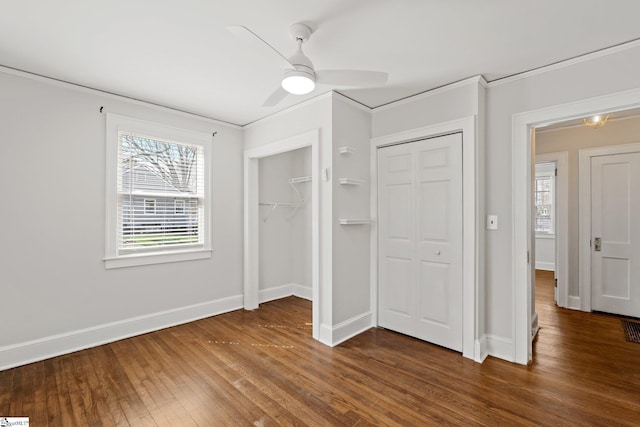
492 222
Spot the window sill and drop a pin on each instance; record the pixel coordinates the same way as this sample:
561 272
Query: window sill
155 258
545 236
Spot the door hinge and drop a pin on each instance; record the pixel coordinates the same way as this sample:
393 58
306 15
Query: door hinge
528 258
556 172
555 281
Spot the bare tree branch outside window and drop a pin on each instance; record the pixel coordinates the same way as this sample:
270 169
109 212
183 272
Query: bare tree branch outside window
174 163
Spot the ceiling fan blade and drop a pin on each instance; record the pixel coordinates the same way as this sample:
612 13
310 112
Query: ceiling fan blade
277 96
354 78
244 33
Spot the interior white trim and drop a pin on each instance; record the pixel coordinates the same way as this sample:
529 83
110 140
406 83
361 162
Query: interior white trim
252 218
521 198
68 342
573 302
561 158
584 201
481 350
110 95
432 92
284 291
115 123
547 266
472 221
499 347
345 330
289 110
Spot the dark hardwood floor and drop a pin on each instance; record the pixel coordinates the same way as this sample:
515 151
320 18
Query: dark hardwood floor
263 368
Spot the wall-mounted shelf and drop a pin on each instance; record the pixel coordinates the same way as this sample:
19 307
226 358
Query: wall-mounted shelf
346 150
351 181
345 221
300 179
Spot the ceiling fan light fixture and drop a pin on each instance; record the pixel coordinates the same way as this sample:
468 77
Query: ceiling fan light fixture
298 82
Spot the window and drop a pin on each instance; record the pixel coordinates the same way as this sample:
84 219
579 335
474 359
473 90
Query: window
157 193
178 207
149 206
544 198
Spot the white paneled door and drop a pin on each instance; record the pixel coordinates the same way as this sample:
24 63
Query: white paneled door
615 234
420 239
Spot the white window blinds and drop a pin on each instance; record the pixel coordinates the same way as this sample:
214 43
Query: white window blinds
160 200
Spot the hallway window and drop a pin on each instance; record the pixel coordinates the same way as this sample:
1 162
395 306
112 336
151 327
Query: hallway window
544 198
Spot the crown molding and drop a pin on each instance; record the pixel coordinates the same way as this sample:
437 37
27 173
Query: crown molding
110 95
479 79
566 63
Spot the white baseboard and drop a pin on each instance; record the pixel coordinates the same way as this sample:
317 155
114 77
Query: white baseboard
548 266
56 345
274 293
481 351
303 292
535 327
573 302
334 335
499 347
283 291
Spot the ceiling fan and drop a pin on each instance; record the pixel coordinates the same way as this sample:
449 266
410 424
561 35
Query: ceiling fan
299 76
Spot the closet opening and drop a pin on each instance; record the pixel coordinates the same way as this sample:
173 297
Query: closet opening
281 255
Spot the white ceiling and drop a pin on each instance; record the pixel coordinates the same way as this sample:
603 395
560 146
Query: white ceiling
178 53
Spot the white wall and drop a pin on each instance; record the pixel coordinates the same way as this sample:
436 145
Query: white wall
351 243
545 253
438 106
570 82
572 139
53 280
285 233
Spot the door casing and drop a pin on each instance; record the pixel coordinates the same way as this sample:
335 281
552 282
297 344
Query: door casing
473 343
521 199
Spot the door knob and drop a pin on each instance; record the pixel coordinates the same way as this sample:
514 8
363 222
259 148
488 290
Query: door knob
597 243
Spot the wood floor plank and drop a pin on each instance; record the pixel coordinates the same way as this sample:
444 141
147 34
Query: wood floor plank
262 368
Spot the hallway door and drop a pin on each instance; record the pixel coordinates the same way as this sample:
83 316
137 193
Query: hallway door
615 233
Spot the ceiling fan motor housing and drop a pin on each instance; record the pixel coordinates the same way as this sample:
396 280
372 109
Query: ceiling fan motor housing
300 31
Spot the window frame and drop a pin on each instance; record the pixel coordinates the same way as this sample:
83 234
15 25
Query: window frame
113 256
179 210
149 206
546 169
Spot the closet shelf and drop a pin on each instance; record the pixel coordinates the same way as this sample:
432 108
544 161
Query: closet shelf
299 179
345 221
351 181
346 150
